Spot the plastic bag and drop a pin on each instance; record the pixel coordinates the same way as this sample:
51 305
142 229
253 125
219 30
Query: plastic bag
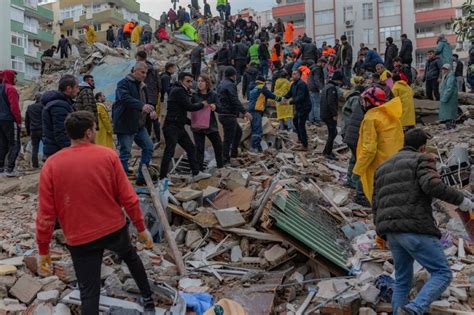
200 119
284 111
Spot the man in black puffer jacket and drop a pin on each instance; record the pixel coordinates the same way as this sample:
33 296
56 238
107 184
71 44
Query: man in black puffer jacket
34 127
57 105
329 110
405 185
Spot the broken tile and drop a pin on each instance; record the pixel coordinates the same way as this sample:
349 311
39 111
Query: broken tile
229 217
26 288
15 261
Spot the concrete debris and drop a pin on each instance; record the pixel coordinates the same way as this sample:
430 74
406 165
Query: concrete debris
26 288
274 254
48 296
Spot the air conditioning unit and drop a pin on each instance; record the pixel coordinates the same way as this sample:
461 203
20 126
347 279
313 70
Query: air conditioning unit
36 42
349 23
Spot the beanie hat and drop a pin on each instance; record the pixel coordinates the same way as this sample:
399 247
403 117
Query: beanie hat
230 71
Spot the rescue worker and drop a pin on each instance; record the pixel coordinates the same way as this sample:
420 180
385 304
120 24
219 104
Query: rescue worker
136 34
380 136
405 92
91 36
277 54
289 32
105 133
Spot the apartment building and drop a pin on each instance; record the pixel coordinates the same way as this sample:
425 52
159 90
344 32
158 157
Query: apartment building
371 21
293 10
71 15
25 34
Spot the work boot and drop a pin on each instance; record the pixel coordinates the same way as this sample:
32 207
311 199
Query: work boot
148 305
200 175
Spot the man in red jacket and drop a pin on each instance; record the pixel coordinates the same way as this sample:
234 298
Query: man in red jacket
10 123
84 187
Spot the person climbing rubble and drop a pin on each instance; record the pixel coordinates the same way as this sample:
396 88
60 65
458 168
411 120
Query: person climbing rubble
405 185
90 215
85 98
91 35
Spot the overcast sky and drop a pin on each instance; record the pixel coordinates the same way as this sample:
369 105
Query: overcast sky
156 7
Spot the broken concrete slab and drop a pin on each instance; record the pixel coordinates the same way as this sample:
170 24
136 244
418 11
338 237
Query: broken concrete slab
338 195
274 254
184 283
8 281
459 293
26 288
193 238
48 296
188 194
229 217
15 261
131 286
369 293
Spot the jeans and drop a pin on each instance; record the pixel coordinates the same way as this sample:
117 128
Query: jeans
347 75
432 86
142 139
257 130
176 134
232 136
299 121
426 250
87 261
289 124
9 144
35 142
64 53
315 109
264 65
332 133
196 70
200 141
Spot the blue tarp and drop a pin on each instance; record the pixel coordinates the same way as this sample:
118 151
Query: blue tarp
107 76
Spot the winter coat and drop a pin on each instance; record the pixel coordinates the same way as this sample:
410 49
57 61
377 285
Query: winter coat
34 118
279 28
163 18
458 72
344 55
240 51
432 69
136 34
299 95
263 53
10 103
162 34
165 78
289 33
223 57
228 98
110 37
448 90
189 31
391 52
248 80
229 33
405 185
316 79
104 135
380 137
56 107
352 124
406 52
444 51
91 36
309 51
127 109
85 99
259 89
179 104
240 23
211 98
371 60
153 83
405 92
197 54
329 101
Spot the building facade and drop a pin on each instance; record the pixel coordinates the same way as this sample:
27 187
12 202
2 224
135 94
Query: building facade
372 21
264 18
71 15
293 10
26 32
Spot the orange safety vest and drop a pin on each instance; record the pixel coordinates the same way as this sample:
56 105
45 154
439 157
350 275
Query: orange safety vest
305 73
329 51
128 28
274 54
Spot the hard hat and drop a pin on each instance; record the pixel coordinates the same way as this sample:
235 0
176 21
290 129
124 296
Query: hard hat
374 95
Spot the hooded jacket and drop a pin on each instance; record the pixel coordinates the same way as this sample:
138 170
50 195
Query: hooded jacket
179 104
371 60
405 185
299 95
405 92
57 106
344 55
316 79
10 103
329 101
444 51
406 51
153 83
223 57
228 98
432 69
448 90
259 89
85 99
352 125
248 81
309 51
33 118
127 109
240 51
104 135
380 137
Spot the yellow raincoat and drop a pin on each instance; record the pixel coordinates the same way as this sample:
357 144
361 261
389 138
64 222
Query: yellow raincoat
385 75
405 92
91 36
104 135
284 110
380 137
136 34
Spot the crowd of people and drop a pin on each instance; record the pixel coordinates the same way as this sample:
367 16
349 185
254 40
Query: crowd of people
302 81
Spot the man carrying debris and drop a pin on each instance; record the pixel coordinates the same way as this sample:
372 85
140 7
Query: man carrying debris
129 117
404 187
85 99
90 215
380 137
229 111
57 105
10 123
179 103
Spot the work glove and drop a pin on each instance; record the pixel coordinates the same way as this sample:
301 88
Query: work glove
46 263
380 243
146 238
466 205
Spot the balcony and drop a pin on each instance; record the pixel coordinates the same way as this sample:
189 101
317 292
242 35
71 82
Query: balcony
111 16
430 42
293 9
130 5
435 15
42 35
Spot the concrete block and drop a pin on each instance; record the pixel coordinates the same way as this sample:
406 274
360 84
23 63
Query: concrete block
8 281
348 297
369 293
61 309
193 238
48 296
7 270
326 290
459 293
229 217
235 254
339 285
442 303
131 286
274 254
26 288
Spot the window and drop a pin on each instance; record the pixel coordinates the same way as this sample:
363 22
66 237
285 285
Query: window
17 15
367 11
329 39
348 13
68 33
368 36
31 25
350 37
128 16
391 31
96 8
420 60
97 27
324 17
18 39
72 12
389 7
18 64
80 31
